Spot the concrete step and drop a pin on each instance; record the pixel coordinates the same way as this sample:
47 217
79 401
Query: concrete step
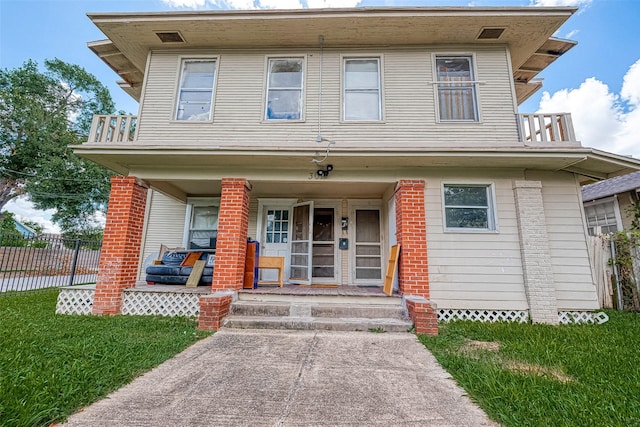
316 323
321 299
299 309
304 314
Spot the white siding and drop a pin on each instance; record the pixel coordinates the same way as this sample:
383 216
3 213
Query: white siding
567 241
408 95
165 226
475 270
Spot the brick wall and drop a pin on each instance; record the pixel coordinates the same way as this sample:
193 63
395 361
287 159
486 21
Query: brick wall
536 256
214 308
233 222
423 314
120 255
411 234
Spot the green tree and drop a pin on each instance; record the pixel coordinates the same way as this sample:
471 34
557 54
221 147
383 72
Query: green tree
41 115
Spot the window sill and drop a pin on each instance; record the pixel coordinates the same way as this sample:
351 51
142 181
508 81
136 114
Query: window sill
470 231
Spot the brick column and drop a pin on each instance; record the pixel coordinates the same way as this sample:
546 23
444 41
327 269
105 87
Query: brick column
233 222
411 235
120 253
413 266
536 256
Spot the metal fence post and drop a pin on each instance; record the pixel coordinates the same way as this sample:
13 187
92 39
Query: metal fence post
75 261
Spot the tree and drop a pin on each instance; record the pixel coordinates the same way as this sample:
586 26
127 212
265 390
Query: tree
41 115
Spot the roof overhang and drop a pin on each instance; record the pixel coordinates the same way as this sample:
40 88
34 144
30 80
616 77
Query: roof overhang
527 33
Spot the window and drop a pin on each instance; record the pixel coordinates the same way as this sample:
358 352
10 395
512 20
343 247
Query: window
203 227
361 85
469 207
195 94
284 89
601 217
456 88
277 226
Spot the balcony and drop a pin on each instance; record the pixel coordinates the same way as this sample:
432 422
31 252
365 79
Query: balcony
535 130
546 129
106 128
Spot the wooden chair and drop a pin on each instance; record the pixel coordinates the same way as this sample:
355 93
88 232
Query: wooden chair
272 262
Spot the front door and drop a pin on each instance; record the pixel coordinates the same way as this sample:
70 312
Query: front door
275 238
300 259
366 249
323 259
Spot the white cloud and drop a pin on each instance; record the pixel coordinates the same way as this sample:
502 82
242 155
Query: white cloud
24 210
553 3
602 119
259 4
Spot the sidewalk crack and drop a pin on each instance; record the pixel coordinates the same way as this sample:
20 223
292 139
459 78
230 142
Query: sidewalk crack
306 362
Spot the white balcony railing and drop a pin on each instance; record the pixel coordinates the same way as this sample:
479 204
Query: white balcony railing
106 128
546 128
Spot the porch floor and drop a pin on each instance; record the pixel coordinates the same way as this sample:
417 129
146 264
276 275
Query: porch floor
288 289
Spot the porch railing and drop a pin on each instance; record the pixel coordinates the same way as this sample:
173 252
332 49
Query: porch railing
107 128
546 128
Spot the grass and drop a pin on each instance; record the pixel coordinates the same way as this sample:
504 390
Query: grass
541 375
52 365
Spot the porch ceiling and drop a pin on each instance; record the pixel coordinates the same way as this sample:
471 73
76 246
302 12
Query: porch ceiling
191 172
527 32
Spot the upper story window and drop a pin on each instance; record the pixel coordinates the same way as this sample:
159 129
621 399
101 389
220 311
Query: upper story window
284 89
362 97
456 85
195 93
602 217
469 207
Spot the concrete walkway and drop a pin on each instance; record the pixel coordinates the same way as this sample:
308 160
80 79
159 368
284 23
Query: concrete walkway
291 378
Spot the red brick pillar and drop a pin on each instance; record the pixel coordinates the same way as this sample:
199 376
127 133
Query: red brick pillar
411 234
233 222
413 266
120 253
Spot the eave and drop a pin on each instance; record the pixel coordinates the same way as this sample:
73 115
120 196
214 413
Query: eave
527 33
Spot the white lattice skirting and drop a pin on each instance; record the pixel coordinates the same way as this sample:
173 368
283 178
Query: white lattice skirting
75 301
447 315
519 316
79 300
161 304
568 317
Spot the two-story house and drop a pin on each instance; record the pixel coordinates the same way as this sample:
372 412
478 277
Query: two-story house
331 135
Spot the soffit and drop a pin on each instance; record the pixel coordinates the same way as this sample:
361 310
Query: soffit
527 32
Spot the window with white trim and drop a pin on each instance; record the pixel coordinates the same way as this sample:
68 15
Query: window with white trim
195 93
469 207
601 217
203 227
362 97
456 88
284 89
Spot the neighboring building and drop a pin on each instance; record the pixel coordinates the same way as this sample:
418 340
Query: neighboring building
330 135
609 204
24 230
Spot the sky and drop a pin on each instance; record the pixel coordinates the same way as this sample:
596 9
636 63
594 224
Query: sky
598 81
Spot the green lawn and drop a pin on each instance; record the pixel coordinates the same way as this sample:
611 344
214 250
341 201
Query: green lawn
52 365
541 375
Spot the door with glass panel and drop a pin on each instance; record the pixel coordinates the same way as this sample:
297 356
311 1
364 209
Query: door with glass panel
323 260
366 248
275 239
300 256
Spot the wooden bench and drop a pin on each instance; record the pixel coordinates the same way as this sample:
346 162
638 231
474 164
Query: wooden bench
275 263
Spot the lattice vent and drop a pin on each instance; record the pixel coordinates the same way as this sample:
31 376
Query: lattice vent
447 315
161 304
75 301
569 317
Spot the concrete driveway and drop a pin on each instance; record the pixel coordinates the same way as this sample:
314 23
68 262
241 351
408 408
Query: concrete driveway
291 378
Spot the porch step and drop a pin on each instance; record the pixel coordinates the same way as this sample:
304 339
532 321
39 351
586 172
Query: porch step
306 315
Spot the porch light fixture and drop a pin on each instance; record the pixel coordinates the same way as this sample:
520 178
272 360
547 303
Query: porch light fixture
324 172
